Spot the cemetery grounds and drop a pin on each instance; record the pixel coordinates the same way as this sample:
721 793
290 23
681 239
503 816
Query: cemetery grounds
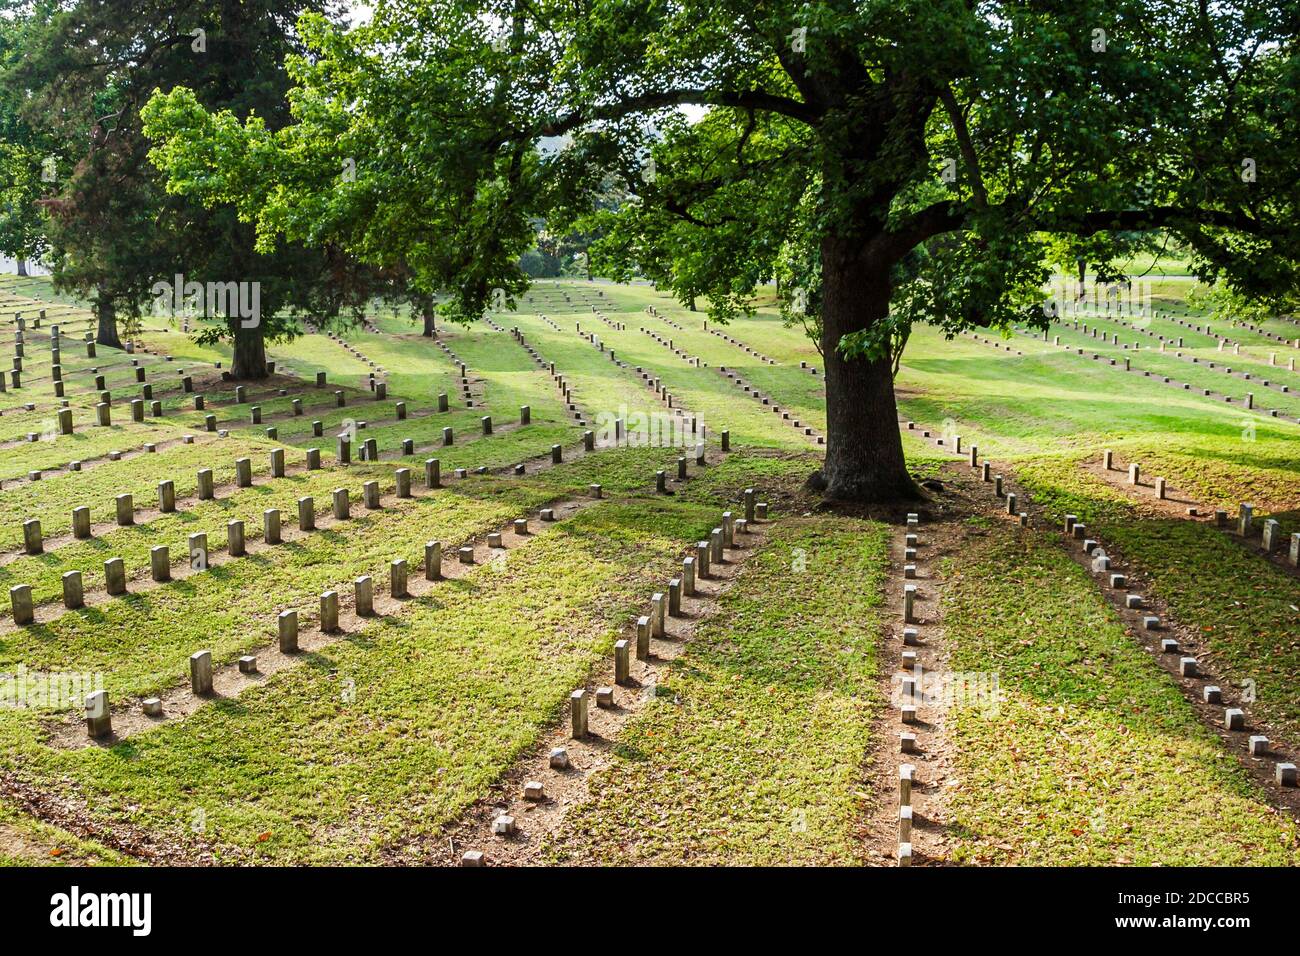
586 611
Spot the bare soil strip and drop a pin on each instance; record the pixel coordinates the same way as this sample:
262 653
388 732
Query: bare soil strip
941 533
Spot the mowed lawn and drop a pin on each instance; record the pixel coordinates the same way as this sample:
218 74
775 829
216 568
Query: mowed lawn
755 747
753 750
1092 757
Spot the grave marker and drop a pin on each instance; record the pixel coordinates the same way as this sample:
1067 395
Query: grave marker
364 596
160 563
271 526
114 576
73 592
306 514
201 673
287 631
98 719
578 714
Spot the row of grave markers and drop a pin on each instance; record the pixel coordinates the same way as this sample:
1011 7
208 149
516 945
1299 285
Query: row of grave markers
649 627
1272 537
97 712
1234 718
1248 400
124 510
98 719
912 674
1193 359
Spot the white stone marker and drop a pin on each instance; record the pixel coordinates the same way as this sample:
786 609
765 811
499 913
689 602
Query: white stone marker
622 662
658 614
341 504
578 714
1245 520
20 600
160 563
287 631
73 592
201 673
329 611
271 526
1234 718
1272 535
906 777
397 579
364 591
909 604
99 722
306 514
643 638
33 542
81 522
114 576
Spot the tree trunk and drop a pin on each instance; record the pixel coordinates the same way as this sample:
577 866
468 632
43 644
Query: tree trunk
22 267
864 449
1083 274
692 304
250 352
106 313
429 328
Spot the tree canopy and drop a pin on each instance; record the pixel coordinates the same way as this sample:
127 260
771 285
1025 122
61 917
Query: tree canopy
888 162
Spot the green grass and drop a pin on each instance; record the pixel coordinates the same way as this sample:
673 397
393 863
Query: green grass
1093 757
1050 403
752 750
439 702
1242 606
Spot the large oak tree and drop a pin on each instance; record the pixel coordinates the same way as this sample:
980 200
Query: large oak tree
889 161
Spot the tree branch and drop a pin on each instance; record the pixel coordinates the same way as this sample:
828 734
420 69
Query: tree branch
965 144
1137 220
747 100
